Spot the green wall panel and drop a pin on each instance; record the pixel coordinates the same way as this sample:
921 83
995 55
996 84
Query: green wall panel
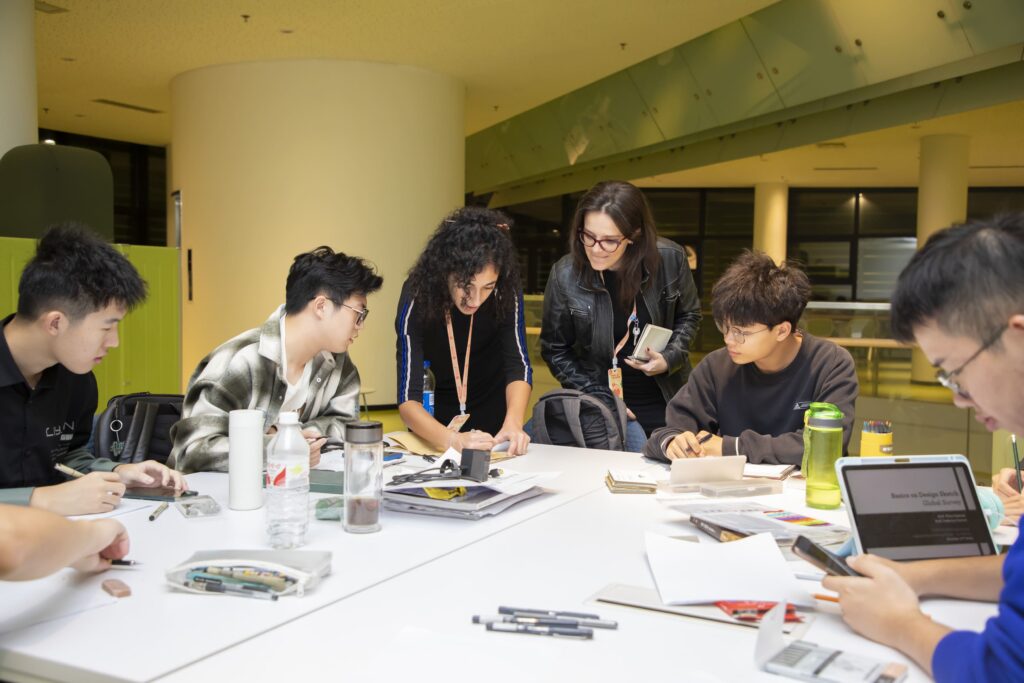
672 95
149 355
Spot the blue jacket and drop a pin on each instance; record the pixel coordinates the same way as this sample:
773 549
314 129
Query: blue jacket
997 653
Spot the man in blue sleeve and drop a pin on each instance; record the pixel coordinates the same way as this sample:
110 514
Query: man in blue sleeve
961 298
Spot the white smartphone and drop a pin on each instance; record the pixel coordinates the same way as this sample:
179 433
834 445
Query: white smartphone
654 338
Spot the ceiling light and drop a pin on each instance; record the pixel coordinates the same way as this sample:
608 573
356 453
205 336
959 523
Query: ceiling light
49 141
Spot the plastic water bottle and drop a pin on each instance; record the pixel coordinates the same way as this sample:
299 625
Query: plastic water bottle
428 388
823 445
288 484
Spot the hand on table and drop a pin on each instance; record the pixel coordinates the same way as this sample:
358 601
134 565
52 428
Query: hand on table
518 440
95 492
1005 486
474 438
149 473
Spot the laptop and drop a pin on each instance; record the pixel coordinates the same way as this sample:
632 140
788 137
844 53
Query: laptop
914 507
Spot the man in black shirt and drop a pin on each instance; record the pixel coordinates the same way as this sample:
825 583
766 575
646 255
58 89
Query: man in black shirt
749 398
71 297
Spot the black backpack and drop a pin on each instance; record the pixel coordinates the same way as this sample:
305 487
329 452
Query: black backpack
137 427
566 417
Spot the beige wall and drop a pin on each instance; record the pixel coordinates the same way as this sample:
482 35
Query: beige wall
276 158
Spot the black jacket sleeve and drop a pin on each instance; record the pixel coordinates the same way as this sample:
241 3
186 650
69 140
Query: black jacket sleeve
558 337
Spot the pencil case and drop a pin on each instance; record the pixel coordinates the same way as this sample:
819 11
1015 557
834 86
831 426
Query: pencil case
273 572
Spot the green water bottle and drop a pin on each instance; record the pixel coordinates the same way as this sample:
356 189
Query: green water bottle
823 445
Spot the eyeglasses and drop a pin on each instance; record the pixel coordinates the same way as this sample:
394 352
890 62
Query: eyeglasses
946 378
360 314
607 244
739 335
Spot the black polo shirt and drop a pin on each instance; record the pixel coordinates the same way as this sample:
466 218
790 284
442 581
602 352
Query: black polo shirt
43 426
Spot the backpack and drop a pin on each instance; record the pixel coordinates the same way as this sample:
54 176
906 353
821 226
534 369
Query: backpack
566 417
137 427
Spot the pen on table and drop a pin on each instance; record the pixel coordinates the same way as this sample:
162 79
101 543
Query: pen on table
546 621
527 612
159 511
1016 460
125 563
826 598
564 632
702 440
64 469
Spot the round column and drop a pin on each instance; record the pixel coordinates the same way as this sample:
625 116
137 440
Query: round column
18 99
771 206
277 158
941 202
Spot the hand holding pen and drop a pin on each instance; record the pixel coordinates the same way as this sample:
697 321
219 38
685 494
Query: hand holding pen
690 445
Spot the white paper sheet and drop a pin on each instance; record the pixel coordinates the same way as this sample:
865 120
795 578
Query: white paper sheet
751 568
27 603
127 505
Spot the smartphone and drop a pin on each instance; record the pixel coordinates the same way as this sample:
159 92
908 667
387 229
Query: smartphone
827 561
160 493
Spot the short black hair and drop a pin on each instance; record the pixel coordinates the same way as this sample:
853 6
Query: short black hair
968 279
335 275
74 271
465 242
756 290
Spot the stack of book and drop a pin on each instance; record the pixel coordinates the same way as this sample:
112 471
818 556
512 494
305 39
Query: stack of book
463 498
622 481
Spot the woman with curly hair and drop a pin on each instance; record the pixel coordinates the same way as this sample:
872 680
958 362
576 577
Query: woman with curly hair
618 277
461 309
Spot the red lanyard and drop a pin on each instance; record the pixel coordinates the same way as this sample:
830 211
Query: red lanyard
625 337
461 379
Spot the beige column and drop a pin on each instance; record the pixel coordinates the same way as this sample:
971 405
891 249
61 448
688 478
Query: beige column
18 117
941 202
277 158
771 206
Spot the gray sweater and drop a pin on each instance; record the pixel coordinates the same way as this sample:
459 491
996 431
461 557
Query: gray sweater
757 414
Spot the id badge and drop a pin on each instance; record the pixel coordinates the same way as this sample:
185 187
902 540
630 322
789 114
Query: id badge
615 381
458 422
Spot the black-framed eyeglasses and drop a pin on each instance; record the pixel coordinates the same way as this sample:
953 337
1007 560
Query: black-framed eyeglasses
739 335
946 378
606 244
360 314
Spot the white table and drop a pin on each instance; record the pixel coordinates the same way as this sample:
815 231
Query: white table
399 603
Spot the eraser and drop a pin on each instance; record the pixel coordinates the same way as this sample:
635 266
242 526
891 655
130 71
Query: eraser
117 588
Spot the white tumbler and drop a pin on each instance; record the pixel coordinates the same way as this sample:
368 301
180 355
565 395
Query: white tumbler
245 459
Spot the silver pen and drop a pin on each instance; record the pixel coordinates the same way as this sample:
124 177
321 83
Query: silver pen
546 621
558 631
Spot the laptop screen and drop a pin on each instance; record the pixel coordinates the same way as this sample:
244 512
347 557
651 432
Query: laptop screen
917 511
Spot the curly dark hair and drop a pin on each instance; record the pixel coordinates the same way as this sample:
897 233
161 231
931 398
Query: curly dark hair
467 240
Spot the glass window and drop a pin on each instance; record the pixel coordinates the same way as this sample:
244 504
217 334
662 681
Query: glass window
815 214
729 213
888 213
716 257
823 261
676 212
987 202
879 262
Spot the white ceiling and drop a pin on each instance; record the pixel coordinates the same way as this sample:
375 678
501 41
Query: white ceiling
511 54
888 157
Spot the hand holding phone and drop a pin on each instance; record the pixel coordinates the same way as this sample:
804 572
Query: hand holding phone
827 561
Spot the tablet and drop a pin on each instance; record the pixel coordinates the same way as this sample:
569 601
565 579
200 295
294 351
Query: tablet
686 471
654 338
914 508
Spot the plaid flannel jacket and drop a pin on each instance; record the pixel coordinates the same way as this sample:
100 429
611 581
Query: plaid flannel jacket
245 373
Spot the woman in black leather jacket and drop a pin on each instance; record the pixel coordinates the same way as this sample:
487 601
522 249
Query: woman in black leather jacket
618 277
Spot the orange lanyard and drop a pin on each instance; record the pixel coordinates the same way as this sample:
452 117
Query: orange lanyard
461 379
632 319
